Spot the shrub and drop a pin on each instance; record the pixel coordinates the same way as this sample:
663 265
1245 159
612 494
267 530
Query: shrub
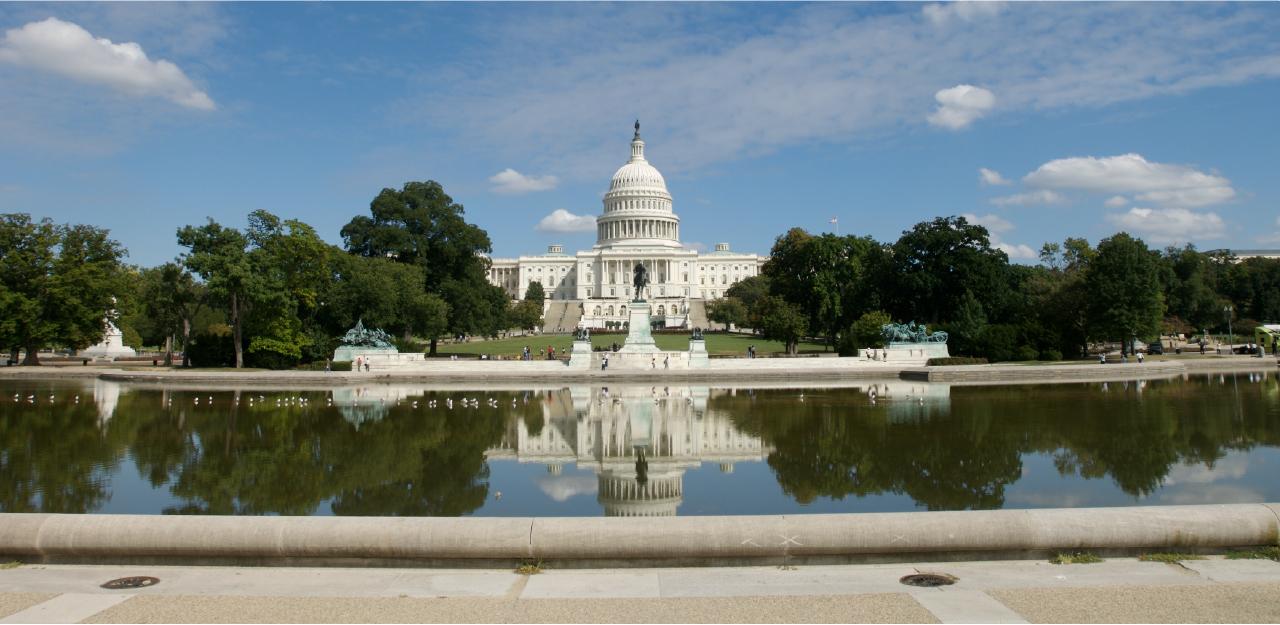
955 360
1050 354
864 333
1026 352
212 349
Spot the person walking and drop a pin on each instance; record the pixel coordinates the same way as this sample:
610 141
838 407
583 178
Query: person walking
653 362
1140 357
666 362
359 362
604 364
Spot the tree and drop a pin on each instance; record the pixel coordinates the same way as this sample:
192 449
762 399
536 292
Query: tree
727 310
1123 288
421 225
826 276
58 283
783 321
220 256
526 314
535 293
865 333
935 263
172 299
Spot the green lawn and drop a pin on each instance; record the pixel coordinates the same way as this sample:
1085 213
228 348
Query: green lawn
724 344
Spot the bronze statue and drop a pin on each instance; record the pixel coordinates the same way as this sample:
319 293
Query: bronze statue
640 281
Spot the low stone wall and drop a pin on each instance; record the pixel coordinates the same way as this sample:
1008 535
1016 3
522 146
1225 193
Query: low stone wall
695 540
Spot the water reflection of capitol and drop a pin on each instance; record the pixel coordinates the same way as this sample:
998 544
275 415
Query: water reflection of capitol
638 440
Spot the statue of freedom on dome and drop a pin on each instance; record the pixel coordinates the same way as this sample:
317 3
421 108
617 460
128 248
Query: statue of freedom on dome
640 281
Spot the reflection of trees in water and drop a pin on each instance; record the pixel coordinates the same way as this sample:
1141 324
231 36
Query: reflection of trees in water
840 445
53 457
289 459
836 445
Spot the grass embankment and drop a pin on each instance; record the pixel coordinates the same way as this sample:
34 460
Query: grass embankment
717 344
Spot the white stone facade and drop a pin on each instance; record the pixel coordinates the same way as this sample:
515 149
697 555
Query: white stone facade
638 226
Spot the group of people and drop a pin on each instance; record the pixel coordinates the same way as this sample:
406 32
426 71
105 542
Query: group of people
528 355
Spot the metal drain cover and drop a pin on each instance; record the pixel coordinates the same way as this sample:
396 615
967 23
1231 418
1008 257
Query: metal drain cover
131 582
929 580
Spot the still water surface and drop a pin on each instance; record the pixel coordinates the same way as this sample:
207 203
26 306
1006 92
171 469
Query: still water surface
636 450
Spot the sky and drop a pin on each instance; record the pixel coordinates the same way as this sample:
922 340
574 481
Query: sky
1038 120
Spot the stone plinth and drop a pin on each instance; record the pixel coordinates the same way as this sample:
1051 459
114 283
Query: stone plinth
639 338
915 352
698 357
580 357
348 353
112 345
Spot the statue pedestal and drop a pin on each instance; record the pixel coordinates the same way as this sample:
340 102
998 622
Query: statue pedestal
915 352
580 357
348 353
639 338
698 357
112 345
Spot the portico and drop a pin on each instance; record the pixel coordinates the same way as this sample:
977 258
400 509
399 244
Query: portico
637 227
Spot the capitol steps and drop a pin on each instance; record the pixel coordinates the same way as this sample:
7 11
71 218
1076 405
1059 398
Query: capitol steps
698 314
561 316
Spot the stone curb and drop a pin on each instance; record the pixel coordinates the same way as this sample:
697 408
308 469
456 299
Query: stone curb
706 540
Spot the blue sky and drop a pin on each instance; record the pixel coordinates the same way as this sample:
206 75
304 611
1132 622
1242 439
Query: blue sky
1158 119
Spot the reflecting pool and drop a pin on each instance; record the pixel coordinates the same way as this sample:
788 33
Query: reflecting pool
97 446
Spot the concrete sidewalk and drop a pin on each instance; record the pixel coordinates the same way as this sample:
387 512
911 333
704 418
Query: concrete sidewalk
1118 590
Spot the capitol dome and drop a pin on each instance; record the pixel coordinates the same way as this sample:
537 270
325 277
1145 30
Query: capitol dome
637 207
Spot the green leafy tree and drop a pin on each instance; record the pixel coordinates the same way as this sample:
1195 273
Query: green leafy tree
535 293
526 314
750 290
728 311
935 263
172 299
864 333
783 321
1123 287
58 283
827 277
421 225
220 256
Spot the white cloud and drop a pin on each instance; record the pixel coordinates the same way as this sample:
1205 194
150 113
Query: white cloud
561 220
1015 251
1163 184
67 50
562 487
510 181
1170 225
1116 201
696 246
834 73
943 13
1030 198
997 225
991 177
960 106
992 222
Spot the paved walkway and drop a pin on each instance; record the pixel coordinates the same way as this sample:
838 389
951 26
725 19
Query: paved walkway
1118 590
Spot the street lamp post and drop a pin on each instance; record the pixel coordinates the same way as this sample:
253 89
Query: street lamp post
1228 310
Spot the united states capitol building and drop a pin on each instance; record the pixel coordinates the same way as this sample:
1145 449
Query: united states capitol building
638 227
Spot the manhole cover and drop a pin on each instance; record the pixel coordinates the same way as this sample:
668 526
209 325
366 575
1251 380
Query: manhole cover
131 582
928 580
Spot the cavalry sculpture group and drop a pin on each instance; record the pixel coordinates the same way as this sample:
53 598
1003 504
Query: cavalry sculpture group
910 333
360 336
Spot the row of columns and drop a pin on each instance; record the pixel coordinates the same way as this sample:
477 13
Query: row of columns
628 490
620 271
639 228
